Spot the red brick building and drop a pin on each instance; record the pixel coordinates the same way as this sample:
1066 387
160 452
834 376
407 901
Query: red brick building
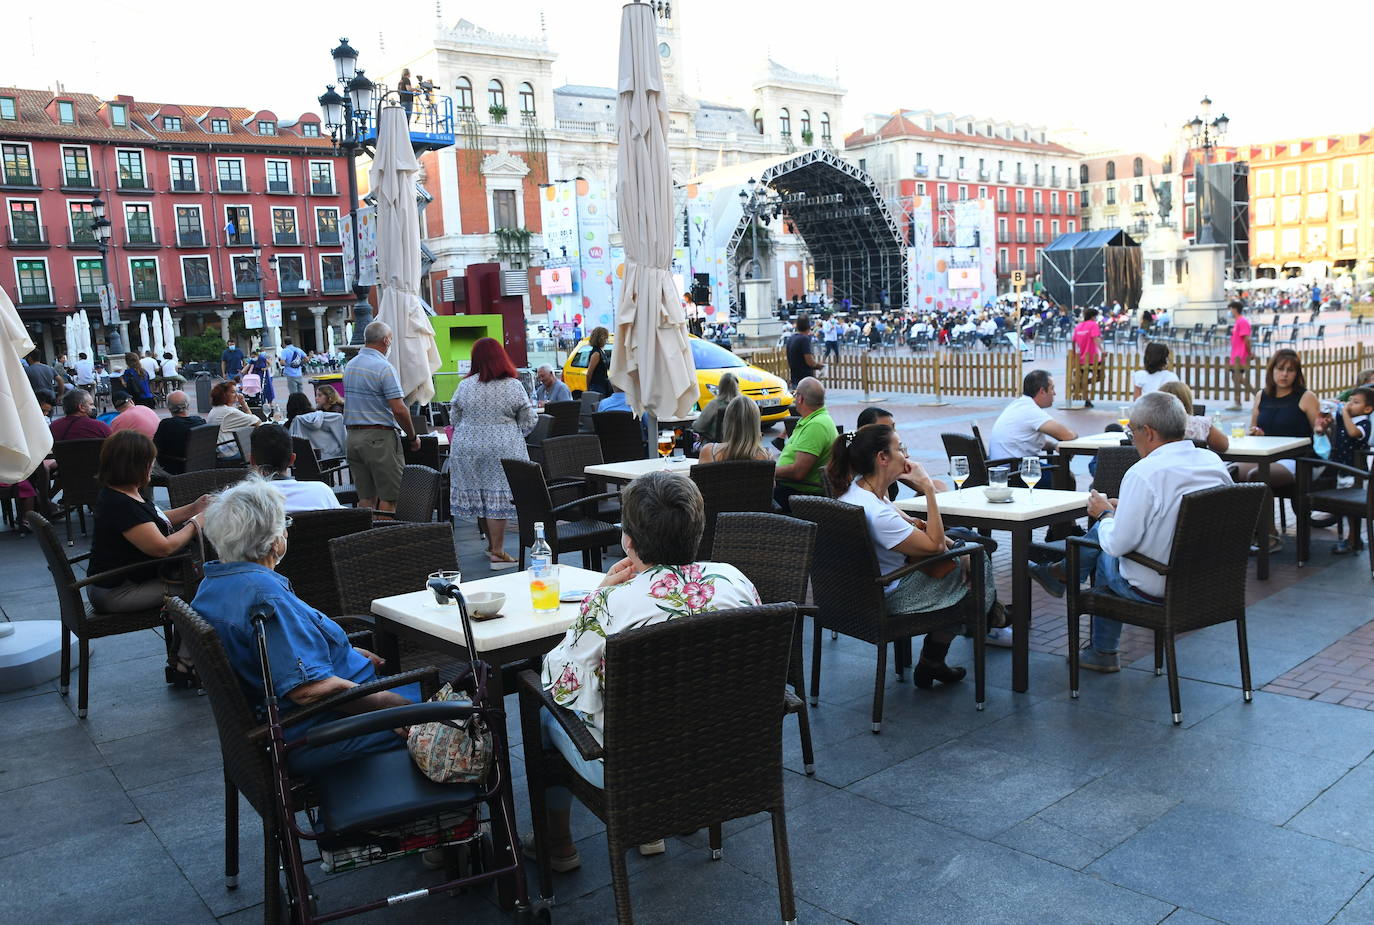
189 190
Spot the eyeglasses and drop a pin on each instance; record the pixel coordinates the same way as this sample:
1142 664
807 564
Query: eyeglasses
288 524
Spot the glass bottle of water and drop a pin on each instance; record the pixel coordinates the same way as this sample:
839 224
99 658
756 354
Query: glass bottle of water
543 574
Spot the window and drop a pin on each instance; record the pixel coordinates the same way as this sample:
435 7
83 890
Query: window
806 122
89 279
1168 164
190 230
79 216
326 226
238 224
1111 195
310 130
503 213
920 189
1345 238
1292 209
195 278
18 165
963 193
939 160
290 274
785 122
1316 177
284 226
1054 228
1347 174
138 223
982 192
1069 226
758 121
1068 200
527 99
1346 204
1264 243
278 176
1111 170
332 273
825 126
219 126
961 163
66 112
1138 192
1082 173
33 282
1288 242
496 95
1020 200
1039 200
230 171
321 178
183 171
171 123
76 167
267 128
1138 168
1263 211
1292 179
464 88
144 281
1316 207
25 228
246 283
7 108
131 173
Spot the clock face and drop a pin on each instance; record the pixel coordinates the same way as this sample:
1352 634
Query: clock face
663 50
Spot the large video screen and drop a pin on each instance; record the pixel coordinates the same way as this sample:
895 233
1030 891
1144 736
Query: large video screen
965 278
556 281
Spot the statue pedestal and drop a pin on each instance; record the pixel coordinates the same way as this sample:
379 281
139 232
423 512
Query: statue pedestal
1205 295
758 326
1163 245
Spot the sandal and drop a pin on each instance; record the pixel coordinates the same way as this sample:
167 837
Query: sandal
183 675
500 560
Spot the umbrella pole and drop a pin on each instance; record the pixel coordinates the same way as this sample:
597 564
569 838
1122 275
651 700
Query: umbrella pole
651 428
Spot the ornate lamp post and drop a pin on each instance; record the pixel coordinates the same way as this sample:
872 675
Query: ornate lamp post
347 117
101 229
759 204
1205 134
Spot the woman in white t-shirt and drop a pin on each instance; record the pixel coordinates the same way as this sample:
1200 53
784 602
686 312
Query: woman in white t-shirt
1156 371
1198 428
869 461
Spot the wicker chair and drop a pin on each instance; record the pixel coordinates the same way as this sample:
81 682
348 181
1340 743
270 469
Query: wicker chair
563 534
741 485
419 494
565 416
589 400
972 447
565 466
307 469
1204 581
679 756
426 455
1356 502
774 552
620 434
185 488
78 461
1112 463
848 589
201 443
307 564
82 620
534 440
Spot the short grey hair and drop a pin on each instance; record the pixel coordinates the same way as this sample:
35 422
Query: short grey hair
812 391
546 368
178 402
1162 413
245 520
376 332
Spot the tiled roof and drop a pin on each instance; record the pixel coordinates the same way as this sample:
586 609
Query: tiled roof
899 126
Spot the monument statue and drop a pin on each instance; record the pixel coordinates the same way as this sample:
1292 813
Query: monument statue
1163 191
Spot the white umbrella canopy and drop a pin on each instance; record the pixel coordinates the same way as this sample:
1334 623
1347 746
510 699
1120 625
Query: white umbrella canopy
329 339
143 340
414 354
24 435
652 361
159 345
169 333
86 345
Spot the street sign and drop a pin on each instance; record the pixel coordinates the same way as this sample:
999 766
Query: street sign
1018 278
252 314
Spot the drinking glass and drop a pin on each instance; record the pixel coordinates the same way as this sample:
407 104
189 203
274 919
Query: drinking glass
958 471
544 590
1123 416
1237 430
444 601
1030 472
665 443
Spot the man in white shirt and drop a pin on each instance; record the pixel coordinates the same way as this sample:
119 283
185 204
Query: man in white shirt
271 452
1025 428
149 364
1142 520
85 371
831 332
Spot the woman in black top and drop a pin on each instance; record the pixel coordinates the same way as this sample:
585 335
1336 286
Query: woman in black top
1284 408
598 369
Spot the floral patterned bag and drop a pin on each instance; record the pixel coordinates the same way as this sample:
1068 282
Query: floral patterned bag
451 752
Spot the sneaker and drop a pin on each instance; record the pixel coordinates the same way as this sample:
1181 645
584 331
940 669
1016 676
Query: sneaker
559 863
1043 577
1000 637
651 848
1093 660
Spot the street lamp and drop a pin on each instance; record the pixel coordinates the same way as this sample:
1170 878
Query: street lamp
1205 134
346 116
759 203
101 228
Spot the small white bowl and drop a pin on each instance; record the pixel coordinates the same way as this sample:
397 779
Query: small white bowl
997 495
485 603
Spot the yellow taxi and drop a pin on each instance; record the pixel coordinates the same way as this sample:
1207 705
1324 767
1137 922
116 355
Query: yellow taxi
768 391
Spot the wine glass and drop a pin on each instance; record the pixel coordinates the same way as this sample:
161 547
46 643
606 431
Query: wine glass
1030 472
665 443
1123 416
958 471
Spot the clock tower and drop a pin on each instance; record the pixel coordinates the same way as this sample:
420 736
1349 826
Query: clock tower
672 57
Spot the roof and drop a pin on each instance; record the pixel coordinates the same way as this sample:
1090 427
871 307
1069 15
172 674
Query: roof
601 93
899 126
1091 240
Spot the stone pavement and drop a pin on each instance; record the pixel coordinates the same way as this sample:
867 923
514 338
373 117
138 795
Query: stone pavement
1039 809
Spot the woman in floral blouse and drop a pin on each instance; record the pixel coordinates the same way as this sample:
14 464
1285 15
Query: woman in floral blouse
662 518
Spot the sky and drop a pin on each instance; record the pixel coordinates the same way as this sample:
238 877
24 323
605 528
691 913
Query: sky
1116 76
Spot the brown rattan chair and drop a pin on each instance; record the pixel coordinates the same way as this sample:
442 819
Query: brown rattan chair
1204 581
740 485
419 498
848 589
307 564
307 469
972 447
534 440
588 400
187 487
620 434
678 755
78 461
82 620
774 552
1356 501
201 442
426 455
1112 463
565 414
565 467
565 529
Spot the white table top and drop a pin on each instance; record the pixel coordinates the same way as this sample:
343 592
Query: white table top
1023 506
1255 447
1093 441
517 624
633 469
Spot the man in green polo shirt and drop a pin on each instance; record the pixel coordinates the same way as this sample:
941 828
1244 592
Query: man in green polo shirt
808 449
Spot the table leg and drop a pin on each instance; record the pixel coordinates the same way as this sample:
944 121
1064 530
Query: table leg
1064 478
1020 610
1267 527
388 647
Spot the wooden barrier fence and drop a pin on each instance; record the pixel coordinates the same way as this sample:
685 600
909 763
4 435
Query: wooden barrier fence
1328 370
974 374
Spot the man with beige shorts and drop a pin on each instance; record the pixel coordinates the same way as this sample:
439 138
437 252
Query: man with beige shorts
375 408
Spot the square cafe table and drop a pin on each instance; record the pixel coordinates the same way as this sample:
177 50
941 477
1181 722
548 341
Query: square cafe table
1263 451
518 634
623 473
1023 514
1081 446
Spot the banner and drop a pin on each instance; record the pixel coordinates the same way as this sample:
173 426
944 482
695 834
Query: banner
367 247
271 312
558 213
109 306
252 314
597 274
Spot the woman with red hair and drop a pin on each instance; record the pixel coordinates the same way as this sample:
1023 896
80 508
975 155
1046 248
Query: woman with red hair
491 414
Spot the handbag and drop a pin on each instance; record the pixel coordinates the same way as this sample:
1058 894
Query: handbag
451 751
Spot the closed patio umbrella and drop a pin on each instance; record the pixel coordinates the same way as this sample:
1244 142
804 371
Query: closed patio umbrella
652 361
145 343
414 354
24 435
169 333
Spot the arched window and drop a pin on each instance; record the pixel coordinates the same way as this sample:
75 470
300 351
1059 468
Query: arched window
1082 173
825 126
806 122
464 88
496 94
1111 170
1138 166
758 121
1168 165
527 99
785 121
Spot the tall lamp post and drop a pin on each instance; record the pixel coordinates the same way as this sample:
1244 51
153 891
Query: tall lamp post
759 204
1205 134
347 116
101 229
265 340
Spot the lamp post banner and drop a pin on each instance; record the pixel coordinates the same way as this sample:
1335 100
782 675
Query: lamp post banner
271 312
365 274
252 314
109 306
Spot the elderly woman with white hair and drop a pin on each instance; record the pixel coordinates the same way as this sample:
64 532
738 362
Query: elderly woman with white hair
310 656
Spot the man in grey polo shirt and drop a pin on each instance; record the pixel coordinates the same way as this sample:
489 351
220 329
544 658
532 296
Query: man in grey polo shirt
375 408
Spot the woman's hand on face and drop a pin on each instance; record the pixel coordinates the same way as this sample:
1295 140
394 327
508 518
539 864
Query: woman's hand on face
620 573
916 475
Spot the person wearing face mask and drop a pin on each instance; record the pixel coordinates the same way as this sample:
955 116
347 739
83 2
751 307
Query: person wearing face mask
376 409
309 654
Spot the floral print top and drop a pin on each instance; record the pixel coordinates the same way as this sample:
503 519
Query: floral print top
574 672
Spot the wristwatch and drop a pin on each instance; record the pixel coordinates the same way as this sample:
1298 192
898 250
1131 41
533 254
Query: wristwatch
1107 513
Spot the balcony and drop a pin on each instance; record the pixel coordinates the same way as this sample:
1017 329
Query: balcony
80 182
1038 180
1020 178
246 239
1002 176
135 183
236 185
81 239
529 119
333 285
1003 237
249 289
1002 206
279 187
1071 182
327 239
984 176
33 237
198 292
1056 209
1021 205
922 170
942 173
142 241
1022 237
944 240
86 296
21 179
1039 207
322 187
36 298
1040 237
191 238
148 294
1003 267
286 239
184 185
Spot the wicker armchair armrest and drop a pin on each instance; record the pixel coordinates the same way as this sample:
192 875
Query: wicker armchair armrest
1308 462
1016 462
353 693
1151 564
1082 541
391 718
791 703
605 496
587 746
963 549
566 481
183 558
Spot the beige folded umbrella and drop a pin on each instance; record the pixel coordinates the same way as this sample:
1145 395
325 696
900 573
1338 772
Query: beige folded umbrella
24 435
